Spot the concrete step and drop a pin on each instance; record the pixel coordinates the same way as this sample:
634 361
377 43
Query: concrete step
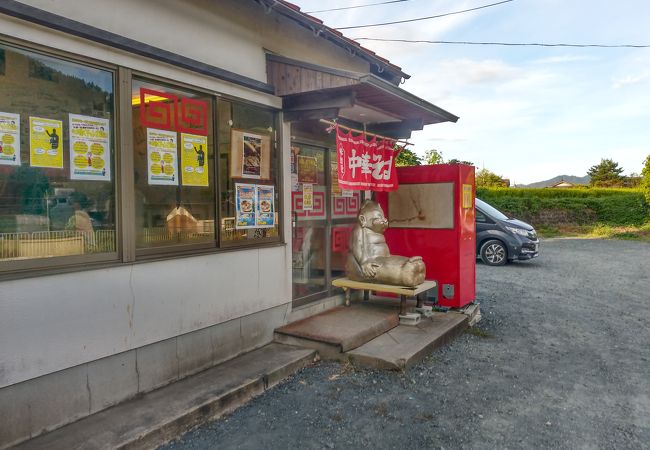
340 329
163 414
405 345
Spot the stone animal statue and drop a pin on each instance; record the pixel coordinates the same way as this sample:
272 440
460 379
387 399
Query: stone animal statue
369 258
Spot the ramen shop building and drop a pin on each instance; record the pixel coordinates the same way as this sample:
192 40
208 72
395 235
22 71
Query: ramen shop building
168 192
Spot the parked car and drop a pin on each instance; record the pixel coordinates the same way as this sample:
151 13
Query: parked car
500 239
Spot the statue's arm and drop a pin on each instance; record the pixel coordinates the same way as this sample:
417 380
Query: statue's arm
356 243
361 255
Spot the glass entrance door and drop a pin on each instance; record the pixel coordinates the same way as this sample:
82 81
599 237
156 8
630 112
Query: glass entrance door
322 218
309 213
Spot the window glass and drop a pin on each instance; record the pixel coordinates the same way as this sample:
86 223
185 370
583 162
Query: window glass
57 157
248 173
174 166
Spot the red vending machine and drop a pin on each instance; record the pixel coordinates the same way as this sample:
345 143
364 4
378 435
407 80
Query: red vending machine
432 215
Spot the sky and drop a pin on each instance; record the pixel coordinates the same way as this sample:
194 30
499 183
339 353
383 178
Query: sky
526 113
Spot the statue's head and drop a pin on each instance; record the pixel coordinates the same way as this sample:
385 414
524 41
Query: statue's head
372 216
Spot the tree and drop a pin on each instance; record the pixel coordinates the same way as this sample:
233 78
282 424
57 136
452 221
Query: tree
407 158
433 156
485 178
459 161
606 174
645 179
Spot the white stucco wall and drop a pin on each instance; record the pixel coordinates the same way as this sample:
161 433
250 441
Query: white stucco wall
231 34
54 322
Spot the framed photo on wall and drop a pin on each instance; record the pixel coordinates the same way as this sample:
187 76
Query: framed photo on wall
250 155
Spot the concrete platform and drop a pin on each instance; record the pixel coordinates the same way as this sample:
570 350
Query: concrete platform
164 414
404 346
340 329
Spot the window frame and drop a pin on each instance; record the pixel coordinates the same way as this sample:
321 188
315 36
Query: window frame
38 266
183 250
276 142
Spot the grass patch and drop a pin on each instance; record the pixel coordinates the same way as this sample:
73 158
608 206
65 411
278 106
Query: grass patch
598 231
477 332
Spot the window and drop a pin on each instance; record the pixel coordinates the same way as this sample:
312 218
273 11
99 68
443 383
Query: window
57 157
205 168
480 217
174 166
248 173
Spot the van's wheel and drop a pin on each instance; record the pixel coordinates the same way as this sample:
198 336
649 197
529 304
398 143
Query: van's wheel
494 253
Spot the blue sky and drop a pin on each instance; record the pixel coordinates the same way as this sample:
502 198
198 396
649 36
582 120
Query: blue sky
526 113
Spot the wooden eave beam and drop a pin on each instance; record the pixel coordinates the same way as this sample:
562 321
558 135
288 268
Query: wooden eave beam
318 100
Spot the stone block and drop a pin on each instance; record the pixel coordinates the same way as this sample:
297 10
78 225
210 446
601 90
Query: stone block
157 364
195 352
58 398
257 329
226 340
14 414
409 319
112 380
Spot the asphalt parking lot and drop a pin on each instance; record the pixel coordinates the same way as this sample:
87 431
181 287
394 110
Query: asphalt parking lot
560 360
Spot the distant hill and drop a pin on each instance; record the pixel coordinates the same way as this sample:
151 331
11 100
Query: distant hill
570 178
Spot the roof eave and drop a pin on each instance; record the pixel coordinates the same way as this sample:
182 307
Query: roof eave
377 82
379 66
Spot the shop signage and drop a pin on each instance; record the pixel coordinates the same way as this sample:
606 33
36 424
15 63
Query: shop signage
365 164
166 111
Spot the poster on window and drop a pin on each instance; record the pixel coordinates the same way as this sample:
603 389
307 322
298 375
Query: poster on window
307 169
250 155
89 148
334 176
162 157
294 155
9 139
265 206
45 143
244 206
307 197
194 149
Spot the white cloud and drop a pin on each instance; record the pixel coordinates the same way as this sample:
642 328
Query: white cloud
564 59
631 79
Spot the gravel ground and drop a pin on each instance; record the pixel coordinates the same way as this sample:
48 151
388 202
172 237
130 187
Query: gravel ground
561 359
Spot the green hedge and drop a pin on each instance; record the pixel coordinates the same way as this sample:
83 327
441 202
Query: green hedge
582 206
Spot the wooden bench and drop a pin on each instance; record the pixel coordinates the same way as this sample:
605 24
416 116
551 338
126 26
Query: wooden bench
403 291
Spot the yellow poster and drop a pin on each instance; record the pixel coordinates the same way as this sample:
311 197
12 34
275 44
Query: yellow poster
162 157
194 160
45 143
9 139
307 197
467 196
